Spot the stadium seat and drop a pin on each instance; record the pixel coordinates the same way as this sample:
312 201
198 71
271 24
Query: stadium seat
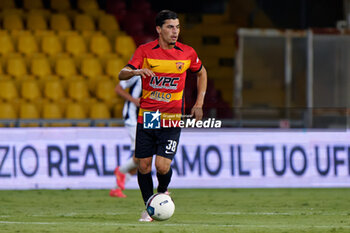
60 22
7 112
99 110
51 45
6 44
78 90
45 13
16 66
99 45
125 46
8 90
30 90
91 67
13 22
32 4
60 5
105 92
40 66
70 78
118 109
75 111
53 90
87 5
36 22
65 67
28 111
27 45
52 111
83 22
92 81
113 67
75 45
6 4
107 23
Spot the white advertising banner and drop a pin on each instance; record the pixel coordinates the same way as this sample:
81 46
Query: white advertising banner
83 158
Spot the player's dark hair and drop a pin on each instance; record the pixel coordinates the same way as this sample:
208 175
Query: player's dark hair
164 15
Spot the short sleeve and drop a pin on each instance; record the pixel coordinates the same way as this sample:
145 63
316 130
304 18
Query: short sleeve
136 60
196 63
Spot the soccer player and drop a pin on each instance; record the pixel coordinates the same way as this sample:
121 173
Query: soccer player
130 110
162 64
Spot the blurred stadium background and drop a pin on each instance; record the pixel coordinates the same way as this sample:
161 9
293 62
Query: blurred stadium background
278 79
60 59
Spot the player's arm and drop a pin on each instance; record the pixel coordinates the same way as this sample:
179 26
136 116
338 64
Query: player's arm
127 73
197 110
125 95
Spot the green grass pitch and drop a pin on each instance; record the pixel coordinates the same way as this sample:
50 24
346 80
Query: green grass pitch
197 210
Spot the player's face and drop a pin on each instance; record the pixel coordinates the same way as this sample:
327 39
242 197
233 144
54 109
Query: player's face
169 32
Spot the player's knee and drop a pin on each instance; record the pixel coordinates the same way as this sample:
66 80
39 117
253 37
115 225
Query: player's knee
162 169
144 168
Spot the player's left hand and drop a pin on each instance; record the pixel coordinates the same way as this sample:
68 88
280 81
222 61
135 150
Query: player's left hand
197 112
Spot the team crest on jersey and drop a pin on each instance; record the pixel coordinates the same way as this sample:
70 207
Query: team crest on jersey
179 65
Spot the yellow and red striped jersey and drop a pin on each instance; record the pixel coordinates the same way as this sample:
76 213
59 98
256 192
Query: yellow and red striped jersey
165 91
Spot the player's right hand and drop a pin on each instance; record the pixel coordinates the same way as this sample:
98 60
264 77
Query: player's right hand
144 72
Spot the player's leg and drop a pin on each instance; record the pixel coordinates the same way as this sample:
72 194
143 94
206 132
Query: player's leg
144 178
168 140
144 151
124 172
164 173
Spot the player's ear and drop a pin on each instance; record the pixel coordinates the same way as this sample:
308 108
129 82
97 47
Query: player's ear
158 28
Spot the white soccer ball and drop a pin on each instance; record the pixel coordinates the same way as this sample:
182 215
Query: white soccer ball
160 206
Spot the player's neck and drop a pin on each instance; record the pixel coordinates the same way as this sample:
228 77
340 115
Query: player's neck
165 45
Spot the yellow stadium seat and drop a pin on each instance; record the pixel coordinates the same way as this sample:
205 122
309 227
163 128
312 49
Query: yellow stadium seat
39 34
5 4
87 5
125 46
52 111
29 111
94 80
118 109
75 45
13 22
69 78
53 90
60 5
65 67
51 45
105 92
16 66
40 66
78 90
32 4
36 22
99 110
7 111
99 45
107 23
91 67
6 44
83 22
30 90
41 11
113 67
27 44
60 22
8 90
75 111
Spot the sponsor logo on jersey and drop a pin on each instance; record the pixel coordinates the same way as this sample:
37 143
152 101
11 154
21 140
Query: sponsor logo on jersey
160 96
164 82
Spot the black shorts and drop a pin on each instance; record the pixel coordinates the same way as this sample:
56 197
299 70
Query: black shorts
163 142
